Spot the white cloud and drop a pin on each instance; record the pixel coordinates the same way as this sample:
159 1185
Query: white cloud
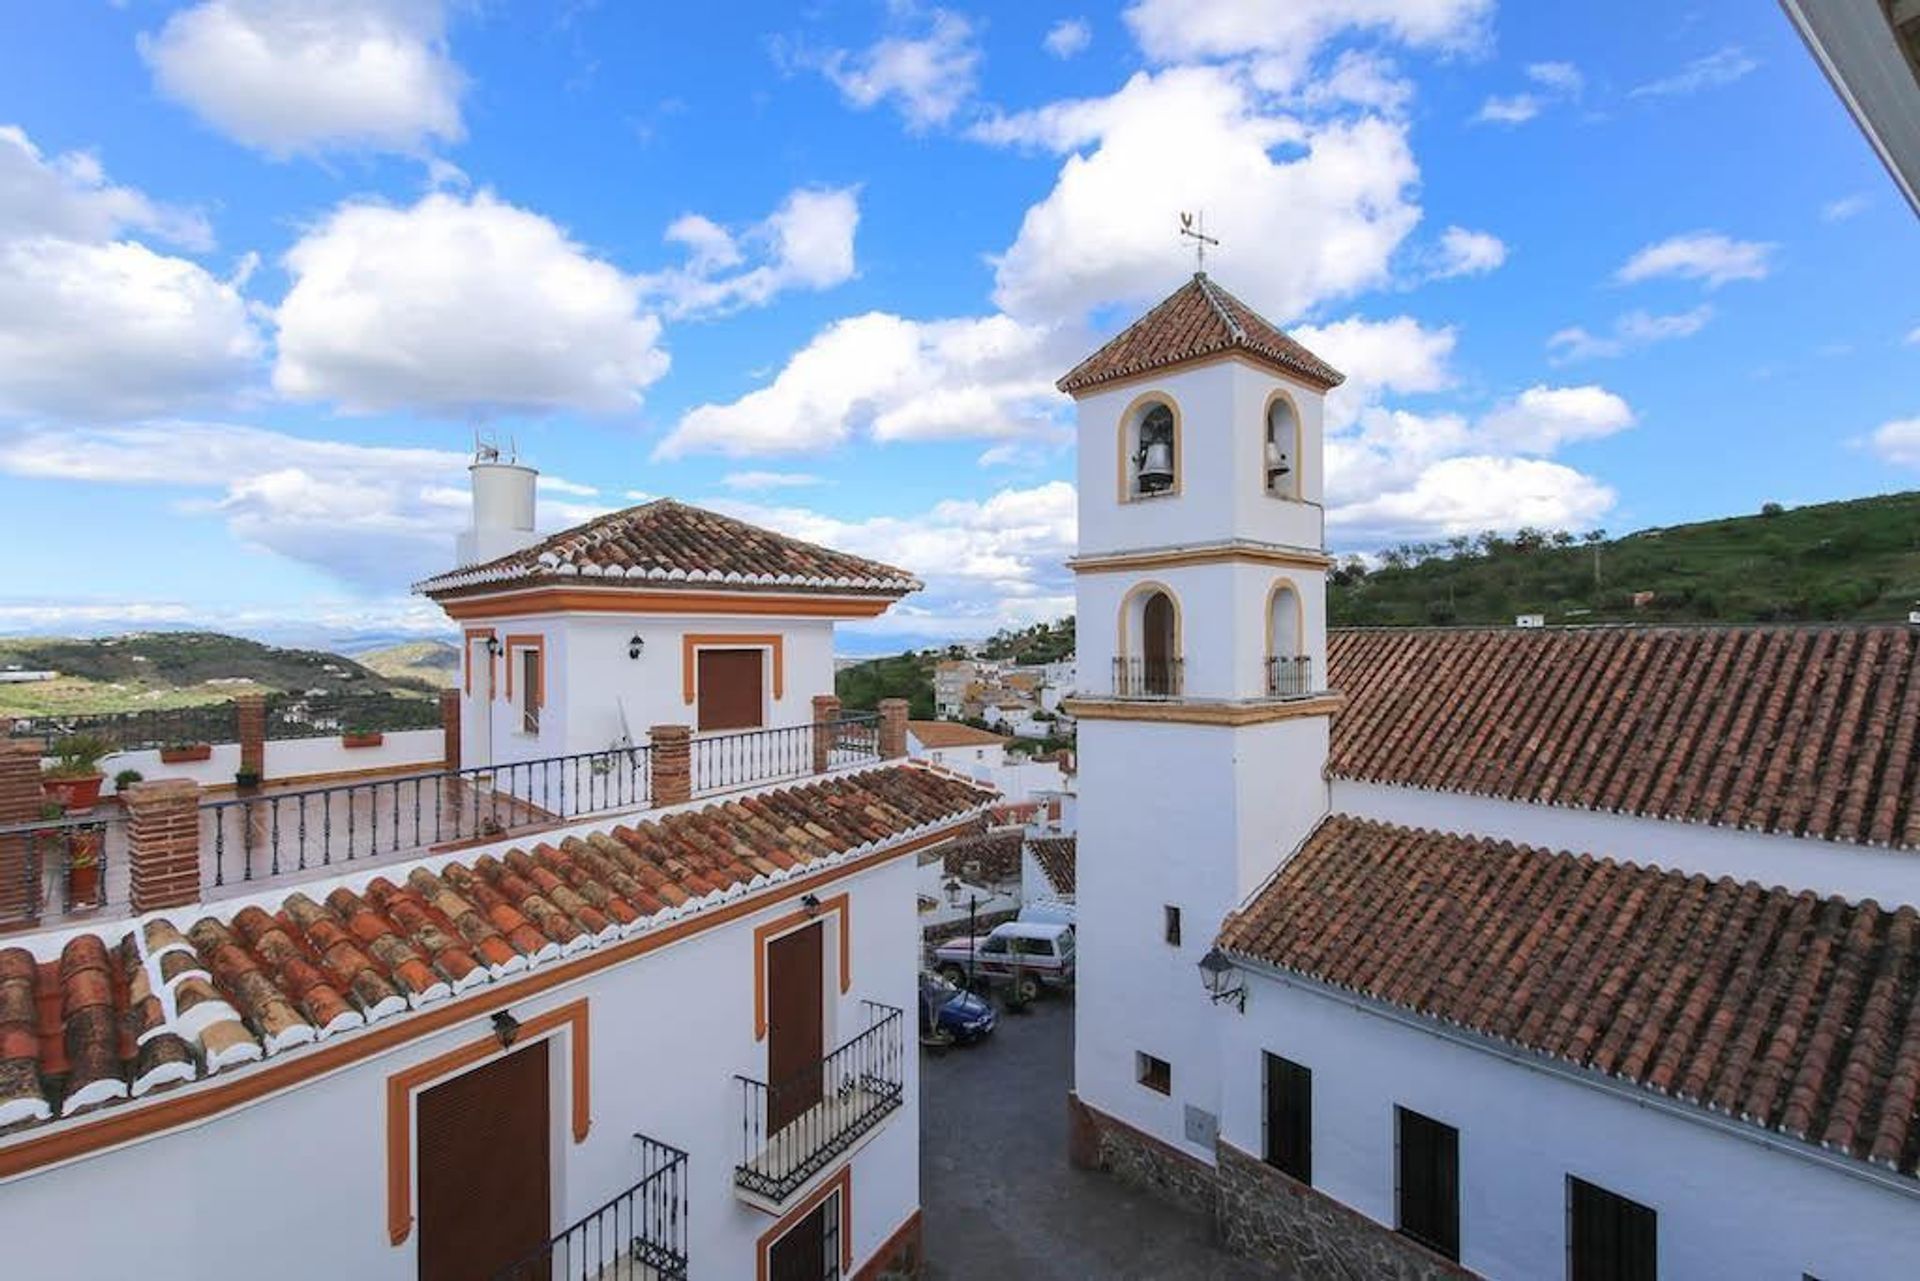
1898 442
1701 255
288 76
890 379
1562 78
1721 67
756 481
1513 109
807 243
1290 32
1468 253
457 305
1378 356
1913 337
927 76
1068 37
1542 419
1845 207
326 624
1339 197
1468 494
68 197
1632 330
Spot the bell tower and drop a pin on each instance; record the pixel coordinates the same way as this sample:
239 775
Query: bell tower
1202 700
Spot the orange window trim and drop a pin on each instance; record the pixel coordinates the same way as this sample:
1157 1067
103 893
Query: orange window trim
841 1183
765 934
552 600
116 1126
693 642
467 637
538 644
402 1086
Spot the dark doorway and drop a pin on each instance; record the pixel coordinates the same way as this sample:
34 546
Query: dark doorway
484 1168
1156 644
795 1024
810 1251
729 684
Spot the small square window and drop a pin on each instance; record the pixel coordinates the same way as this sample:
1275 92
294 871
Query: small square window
1170 925
1155 1074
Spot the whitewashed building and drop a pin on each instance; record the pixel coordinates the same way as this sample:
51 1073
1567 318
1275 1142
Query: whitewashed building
1508 952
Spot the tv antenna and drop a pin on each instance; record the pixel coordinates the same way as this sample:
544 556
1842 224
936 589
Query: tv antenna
1194 227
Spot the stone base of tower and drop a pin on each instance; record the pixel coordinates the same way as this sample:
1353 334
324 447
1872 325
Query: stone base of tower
1255 1210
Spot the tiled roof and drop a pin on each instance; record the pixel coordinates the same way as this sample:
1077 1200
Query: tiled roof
1196 320
936 734
669 544
1784 1010
997 855
1813 731
113 1017
1055 856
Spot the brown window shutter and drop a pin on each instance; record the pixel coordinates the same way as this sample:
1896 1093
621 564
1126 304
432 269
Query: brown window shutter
484 1162
730 688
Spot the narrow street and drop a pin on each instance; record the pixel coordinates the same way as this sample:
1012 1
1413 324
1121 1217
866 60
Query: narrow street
1001 1202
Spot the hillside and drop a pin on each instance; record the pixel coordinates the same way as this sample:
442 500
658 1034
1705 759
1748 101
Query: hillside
173 669
862 685
1040 643
1848 561
433 663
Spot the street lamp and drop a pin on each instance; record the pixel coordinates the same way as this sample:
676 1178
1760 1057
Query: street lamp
954 890
1216 971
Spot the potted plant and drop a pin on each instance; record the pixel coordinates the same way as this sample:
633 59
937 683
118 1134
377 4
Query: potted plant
74 778
185 753
246 780
83 867
359 736
127 778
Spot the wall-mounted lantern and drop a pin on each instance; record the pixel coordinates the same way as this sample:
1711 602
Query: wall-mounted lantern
636 646
493 646
505 1028
1216 971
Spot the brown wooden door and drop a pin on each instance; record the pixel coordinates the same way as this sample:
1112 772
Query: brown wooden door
801 1255
729 684
1156 644
795 1024
483 1161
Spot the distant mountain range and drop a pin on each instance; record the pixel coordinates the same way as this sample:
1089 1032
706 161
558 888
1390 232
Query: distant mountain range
433 663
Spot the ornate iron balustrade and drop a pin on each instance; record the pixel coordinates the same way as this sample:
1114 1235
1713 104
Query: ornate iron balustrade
59 867
640 1235
1289 677
721 762
822 1111
283 832
1148 677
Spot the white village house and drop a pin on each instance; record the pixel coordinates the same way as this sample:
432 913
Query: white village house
1535 953
666 1034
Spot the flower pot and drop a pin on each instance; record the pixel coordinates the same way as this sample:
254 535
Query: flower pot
362 740
186 755
83 870
76 794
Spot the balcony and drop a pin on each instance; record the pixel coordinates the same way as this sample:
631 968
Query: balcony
821 1114
640 1235
1148 678
1289 677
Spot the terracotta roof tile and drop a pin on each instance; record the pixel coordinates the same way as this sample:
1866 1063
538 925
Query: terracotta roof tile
1055 854
107 1019
668 544
997 855
1198 319
935 734
1791 1012
1806 731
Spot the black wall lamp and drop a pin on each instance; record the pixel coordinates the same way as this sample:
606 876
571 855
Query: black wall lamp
811 902
636 646
505 1029
1216 971
493 646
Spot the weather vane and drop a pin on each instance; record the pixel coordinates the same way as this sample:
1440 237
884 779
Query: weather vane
1200 238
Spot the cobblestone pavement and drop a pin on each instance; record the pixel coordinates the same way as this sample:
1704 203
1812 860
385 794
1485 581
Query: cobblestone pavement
1000 1202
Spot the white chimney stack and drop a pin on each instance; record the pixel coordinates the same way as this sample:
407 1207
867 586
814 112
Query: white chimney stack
503 508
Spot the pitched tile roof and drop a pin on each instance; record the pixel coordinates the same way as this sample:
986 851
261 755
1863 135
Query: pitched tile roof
936 734
1055 855
995 856
115 1017
1812 731
1198 319
670 544
1784 1010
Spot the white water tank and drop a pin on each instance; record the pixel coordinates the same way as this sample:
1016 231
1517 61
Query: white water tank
503 511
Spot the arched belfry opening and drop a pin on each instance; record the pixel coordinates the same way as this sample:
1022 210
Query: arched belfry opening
1157 643
1289 669
1280 457
1149 662
1152 458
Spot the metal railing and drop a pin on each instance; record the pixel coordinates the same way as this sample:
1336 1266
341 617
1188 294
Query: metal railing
281 832
791 1130
639 1235
1148 677
1289 677
720 762
58 867
324 715
134 731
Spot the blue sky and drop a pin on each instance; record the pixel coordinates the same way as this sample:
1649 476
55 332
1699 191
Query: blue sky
266 264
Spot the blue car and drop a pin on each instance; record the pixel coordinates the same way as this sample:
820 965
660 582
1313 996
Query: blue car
950 1016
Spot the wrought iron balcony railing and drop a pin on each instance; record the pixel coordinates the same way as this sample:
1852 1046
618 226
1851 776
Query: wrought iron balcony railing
640 1235
1289 677
1148 677
791 1130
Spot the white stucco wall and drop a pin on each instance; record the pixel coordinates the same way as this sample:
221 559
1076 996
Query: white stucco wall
295 1184
1728 1207
1890 877
289 758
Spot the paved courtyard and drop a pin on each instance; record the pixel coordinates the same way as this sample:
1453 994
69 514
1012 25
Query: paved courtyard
999 1199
